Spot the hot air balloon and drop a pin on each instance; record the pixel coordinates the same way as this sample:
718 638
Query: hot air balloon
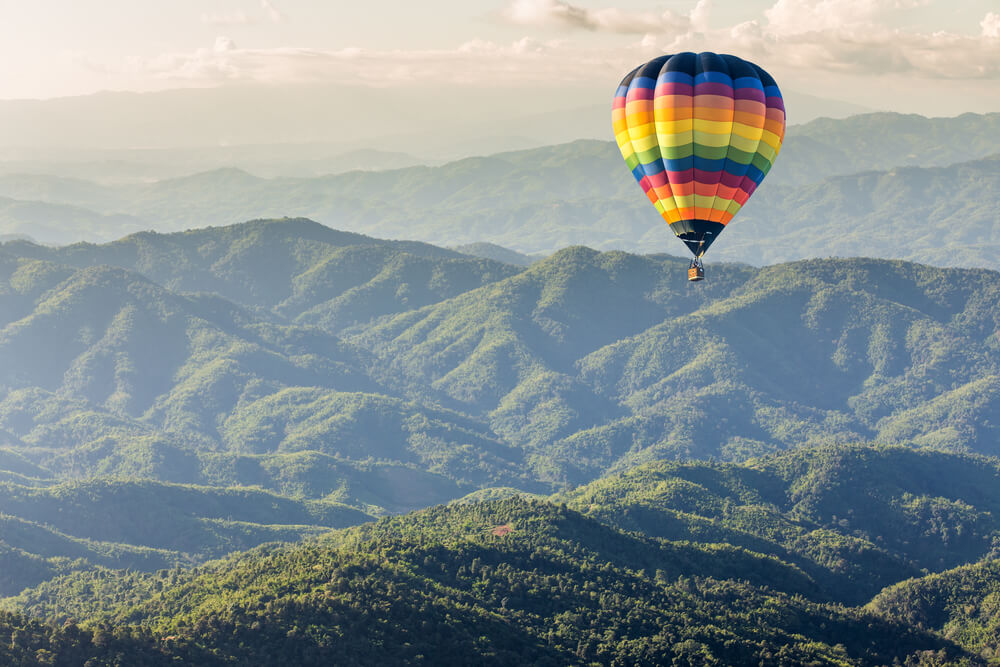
699 132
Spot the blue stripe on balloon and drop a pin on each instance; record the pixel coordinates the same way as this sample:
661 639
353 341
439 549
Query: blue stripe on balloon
755 174
735 168
679 164
748 82
706 164
676 77
713 77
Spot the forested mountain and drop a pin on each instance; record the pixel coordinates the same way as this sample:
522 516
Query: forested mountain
880 142
854 518
71 526
346 377
962 604
499 253
888 185
519 581
397 353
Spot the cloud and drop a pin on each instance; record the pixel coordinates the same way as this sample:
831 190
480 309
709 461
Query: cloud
223 44
559 14
846 36
991 25
852 37
476 61
801 39
809 16
271 12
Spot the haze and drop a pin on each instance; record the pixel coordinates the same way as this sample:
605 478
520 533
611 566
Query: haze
436 77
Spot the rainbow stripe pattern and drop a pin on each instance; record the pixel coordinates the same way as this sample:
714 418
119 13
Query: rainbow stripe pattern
699 132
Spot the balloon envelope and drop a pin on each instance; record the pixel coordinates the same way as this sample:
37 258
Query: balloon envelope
699 132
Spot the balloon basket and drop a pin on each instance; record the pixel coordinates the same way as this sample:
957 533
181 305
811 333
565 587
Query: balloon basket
696 271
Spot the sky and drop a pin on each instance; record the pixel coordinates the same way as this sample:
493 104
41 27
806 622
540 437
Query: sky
934 57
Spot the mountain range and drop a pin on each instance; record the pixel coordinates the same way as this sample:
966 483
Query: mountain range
388 375
887 185
266 441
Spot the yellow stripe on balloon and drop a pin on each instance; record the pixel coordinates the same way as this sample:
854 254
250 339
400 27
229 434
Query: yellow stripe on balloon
771 139
712 126
703 201
748 131
643 142
671 140
677 126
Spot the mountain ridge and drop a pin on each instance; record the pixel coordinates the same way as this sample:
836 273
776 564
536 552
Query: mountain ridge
542 199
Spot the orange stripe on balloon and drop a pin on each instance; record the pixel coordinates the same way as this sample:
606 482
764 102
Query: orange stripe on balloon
716 215
704 189
672 113
726 192
707 113
683 189
777 127
748 119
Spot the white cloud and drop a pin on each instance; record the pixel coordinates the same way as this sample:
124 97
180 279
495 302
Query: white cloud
271 11
801 38
991 25
804 16
559 14
847 36
850 36
223 44
523 61
699 15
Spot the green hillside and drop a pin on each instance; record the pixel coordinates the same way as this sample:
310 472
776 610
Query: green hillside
697 562
940 215
145 525
494 251
856 519
294 267
439 586
881 141
27 642
962 604
581 364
